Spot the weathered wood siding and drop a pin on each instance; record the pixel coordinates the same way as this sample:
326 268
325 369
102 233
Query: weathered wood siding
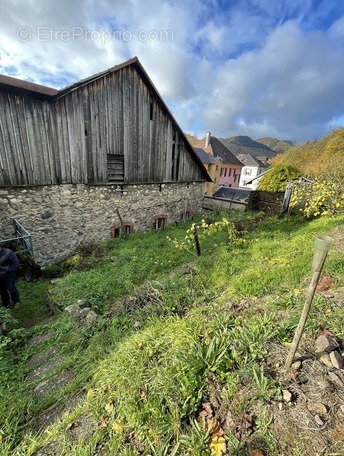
77 137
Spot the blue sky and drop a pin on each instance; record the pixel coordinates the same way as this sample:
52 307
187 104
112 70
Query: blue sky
244 67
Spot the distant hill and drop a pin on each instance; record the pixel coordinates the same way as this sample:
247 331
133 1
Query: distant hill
276 145
322 156
260 148
246 145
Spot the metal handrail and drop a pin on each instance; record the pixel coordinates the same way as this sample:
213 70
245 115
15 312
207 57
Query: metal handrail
23 237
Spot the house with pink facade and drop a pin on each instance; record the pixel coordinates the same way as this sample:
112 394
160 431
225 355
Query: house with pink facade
230 168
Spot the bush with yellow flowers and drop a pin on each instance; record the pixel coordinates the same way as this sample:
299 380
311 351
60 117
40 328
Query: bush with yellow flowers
322 196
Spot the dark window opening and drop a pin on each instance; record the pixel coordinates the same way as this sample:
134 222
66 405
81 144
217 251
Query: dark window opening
118 230
151 110
159 222
115 168
186 215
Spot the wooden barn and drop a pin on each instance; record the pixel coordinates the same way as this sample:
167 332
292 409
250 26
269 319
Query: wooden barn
77 159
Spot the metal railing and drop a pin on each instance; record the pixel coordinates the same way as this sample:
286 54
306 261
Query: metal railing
22 237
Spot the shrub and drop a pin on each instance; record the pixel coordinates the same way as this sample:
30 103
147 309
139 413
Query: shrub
322 196
276 179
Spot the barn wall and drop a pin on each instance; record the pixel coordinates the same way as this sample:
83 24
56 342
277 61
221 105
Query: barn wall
69 140
59 217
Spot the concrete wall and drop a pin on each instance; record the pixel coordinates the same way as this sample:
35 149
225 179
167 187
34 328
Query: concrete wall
59 217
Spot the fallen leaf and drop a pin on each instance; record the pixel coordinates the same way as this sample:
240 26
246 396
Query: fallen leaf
229 420
291 376
117 426
106 388
218 446
328 333
207 411
214 428
143 395
90 393
246 427
109 407
103 422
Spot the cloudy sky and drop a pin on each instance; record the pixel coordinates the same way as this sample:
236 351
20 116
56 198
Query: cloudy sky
234 67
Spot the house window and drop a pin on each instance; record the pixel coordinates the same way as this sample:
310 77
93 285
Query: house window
117 230
229 172
223 172
247 172
159 222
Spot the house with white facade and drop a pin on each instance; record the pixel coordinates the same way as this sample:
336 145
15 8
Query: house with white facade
253 167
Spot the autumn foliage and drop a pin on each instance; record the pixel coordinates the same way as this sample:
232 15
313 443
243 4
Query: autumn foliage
316 158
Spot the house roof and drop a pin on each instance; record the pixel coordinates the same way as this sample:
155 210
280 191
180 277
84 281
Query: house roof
38 91
259 176
204 157
234 194
250 160
217 149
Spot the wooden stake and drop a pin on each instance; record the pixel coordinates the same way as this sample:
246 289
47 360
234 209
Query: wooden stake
322 245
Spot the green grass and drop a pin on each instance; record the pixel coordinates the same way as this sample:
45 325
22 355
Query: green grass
179 327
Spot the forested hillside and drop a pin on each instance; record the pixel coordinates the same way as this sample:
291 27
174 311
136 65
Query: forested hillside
325 155
275 144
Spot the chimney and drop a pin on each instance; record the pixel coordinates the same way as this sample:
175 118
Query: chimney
207 139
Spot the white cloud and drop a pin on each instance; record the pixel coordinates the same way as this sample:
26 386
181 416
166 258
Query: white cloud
246 68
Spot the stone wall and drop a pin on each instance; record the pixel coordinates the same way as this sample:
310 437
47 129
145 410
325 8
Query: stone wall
59 217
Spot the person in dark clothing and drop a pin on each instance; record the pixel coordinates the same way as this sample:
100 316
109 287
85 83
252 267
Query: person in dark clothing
9 263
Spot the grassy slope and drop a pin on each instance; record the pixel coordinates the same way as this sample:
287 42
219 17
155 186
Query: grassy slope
176 328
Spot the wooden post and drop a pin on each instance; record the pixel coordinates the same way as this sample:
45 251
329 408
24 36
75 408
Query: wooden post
322 245
198 248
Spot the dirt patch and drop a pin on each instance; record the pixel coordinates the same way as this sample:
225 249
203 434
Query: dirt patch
309 420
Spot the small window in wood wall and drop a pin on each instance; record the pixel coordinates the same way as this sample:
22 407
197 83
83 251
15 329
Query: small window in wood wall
159 222
151 110
115 168
116 230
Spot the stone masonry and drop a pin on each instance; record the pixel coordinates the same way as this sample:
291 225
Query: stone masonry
59 217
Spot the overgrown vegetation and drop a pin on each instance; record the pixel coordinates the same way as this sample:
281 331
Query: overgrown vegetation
318 157
322 196
277 178
181 361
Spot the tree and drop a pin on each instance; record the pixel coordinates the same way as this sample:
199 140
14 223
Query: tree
277 178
